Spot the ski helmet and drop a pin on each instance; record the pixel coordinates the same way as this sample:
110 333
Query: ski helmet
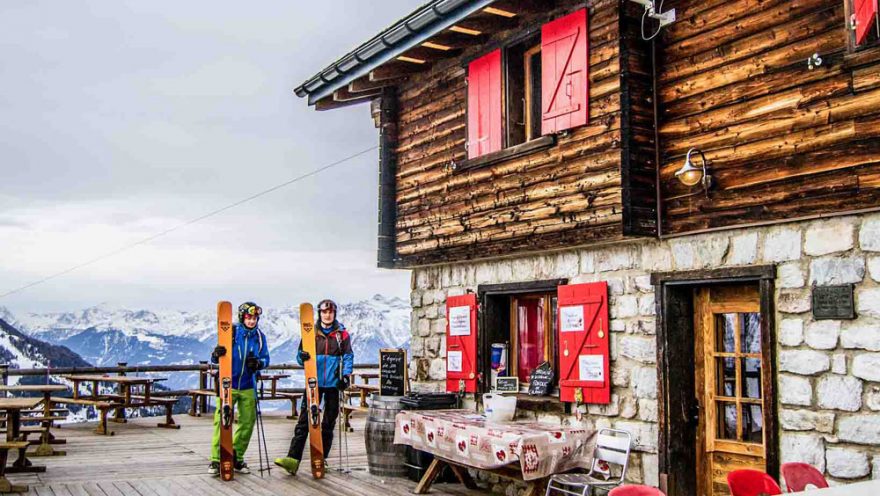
327 304
249 308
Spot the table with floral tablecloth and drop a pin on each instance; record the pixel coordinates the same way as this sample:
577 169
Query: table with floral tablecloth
463 437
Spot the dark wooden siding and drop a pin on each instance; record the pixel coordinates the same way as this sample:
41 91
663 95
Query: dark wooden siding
568 194
783 141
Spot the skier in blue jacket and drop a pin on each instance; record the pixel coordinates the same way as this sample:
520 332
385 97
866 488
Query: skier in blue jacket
250 353
335 364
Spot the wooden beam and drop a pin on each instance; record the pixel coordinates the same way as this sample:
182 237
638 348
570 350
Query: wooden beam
424 54
481 22
499 12
328 103
395 70
457 40
345 95
362 84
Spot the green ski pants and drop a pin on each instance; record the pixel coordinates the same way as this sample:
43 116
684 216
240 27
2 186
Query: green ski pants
244 405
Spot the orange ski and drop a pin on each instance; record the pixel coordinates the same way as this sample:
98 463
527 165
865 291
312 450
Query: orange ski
316 447
224 339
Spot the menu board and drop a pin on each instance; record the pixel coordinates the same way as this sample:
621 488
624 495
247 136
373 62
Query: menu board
392 372
507 384
541 380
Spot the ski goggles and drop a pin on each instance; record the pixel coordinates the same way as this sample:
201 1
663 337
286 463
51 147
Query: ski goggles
326 305
251 310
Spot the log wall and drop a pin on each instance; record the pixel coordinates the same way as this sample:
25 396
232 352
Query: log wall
783 141
568 194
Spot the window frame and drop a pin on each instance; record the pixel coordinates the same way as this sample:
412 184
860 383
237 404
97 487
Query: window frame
550 355
849 17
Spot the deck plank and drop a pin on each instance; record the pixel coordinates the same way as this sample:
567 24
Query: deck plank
143 460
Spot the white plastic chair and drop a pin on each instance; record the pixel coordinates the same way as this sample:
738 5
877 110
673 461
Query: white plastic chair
612 447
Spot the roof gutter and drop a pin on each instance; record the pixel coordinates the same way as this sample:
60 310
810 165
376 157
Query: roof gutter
407 33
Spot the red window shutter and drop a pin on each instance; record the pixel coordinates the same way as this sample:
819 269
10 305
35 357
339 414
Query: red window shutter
484 105
583 342
865 12
461 343
564 73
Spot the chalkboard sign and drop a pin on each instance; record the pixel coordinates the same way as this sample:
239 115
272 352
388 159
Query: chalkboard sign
541 380
507 384
392 372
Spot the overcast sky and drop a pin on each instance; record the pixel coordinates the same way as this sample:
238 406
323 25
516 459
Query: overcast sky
119 119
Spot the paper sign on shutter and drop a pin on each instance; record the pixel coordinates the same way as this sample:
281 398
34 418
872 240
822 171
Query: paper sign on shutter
564 73
484 104
461 343
583 342
865 13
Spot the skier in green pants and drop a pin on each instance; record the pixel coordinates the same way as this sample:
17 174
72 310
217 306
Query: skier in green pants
249 354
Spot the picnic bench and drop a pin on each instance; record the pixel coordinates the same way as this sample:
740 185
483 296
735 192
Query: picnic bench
274 393
360 390
13 408
45 416
125 397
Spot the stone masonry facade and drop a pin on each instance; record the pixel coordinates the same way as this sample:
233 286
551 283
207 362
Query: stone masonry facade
828 371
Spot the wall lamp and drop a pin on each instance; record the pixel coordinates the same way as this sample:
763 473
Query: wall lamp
689 175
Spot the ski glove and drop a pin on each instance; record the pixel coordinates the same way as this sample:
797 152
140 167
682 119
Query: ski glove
252 363
218 352
305 356
343 383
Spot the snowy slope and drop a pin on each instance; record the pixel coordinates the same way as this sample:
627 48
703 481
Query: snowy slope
24 352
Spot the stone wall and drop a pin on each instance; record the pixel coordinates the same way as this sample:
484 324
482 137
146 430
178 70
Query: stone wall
828 371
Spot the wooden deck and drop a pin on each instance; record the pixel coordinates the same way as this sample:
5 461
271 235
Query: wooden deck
142 459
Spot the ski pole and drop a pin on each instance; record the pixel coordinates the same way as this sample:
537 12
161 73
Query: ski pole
263 433
257 408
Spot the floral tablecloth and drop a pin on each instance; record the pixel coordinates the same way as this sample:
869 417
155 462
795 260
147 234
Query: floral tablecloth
469 439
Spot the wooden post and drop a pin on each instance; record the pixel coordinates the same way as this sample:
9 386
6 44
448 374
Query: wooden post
203 384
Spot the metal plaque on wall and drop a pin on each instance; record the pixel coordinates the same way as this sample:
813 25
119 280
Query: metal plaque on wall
833 302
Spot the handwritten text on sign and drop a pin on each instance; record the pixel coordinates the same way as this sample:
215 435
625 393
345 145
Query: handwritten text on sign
460 321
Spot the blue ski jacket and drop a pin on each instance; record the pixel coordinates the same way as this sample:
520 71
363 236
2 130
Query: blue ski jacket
244 342
333 347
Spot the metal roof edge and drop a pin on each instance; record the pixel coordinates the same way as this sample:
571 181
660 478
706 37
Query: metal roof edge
406 33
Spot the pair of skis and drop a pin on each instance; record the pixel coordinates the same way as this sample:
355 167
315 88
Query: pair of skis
224 338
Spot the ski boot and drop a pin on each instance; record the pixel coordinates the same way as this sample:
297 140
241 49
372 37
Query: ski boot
291 465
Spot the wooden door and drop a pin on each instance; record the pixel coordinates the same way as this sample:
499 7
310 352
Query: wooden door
731 370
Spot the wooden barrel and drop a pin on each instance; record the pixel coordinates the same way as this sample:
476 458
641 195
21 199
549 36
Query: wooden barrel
384 458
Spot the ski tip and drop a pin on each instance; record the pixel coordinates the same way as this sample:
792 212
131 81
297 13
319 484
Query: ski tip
306 307
224 306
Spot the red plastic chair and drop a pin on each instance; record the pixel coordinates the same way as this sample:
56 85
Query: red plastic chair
635 490
751 483
797 475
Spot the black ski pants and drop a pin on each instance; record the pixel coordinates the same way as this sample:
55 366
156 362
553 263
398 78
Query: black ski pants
330 397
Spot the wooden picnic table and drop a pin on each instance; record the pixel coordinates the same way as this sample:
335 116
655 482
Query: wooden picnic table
13 408
363 390
124 397
366 376
46 437
273 378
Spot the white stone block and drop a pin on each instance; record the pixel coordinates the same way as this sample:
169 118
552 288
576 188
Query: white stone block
794 390
612 409
828 271
791 332
646 305
822 334
743 249
648 410
782 244
638 348
846 463
806 420
624 306
415 299
656 258
588 262
618 325
806 448
438 369
644 382
872 398
838 363
615 286
829 236
424 327
557 265
860 429
790 275
861 334
438 326
701 252
793 301
869 234
867 366
643 284
644 435
618 258
868 302
804 362
874 268
836 392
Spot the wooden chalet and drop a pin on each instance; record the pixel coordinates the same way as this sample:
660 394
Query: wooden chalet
678 218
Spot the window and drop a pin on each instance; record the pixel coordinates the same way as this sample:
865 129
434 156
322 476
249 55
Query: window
532 333
533 88
523 92
864 22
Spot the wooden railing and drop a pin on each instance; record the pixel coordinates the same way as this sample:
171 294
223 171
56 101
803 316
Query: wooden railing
122 368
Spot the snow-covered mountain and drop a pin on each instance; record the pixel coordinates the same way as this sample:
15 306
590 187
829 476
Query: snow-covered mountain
106 334
24 352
